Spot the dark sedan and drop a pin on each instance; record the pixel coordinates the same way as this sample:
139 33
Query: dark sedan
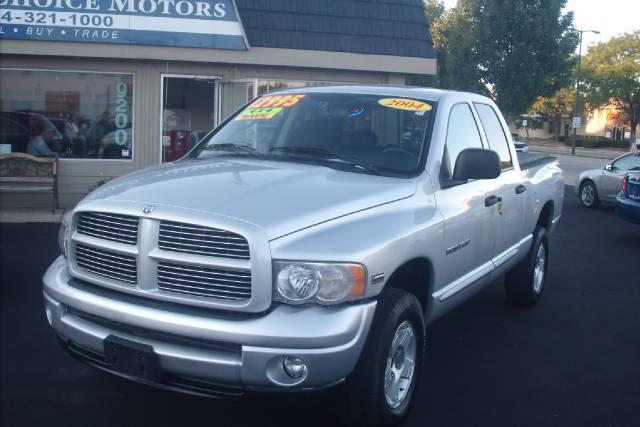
628 206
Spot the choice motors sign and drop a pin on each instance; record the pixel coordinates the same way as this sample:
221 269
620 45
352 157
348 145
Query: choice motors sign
187 23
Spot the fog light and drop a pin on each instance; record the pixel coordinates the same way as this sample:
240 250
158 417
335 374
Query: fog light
294 367
47 310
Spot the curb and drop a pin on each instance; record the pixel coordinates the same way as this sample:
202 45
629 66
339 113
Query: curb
579 152
22 216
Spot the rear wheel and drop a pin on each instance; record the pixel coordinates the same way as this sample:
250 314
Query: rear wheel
380 390
589 195
525 283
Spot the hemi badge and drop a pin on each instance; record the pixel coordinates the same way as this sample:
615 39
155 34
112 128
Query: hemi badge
377 278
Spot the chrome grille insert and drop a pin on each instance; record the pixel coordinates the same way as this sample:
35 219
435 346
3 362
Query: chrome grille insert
633 188
114 227
195 239
204 281
105 263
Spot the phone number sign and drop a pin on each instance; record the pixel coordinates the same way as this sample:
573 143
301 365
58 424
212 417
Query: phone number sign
186 23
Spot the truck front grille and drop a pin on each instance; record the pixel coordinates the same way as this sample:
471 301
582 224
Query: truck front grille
163 259
204 281
198 240
105 263
107 226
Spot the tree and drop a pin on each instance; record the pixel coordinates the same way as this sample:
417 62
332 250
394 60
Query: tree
554 107
453 40
524 50
459 68
511 50
435 11
612 75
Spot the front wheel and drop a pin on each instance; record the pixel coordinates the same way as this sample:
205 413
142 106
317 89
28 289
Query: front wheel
379 391
525 283
589 195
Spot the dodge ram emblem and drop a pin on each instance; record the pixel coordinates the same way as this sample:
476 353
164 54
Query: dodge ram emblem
148 209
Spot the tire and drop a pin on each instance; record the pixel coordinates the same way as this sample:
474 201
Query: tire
524 284
588 194
365 400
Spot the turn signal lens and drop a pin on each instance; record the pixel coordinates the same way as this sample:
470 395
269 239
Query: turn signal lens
63 233
359 278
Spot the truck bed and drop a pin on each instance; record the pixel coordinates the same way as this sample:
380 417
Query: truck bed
531 160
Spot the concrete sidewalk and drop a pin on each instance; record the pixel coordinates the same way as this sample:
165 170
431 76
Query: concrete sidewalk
23 215
594 153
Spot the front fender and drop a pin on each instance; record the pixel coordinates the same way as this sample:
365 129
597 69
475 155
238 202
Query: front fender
382 238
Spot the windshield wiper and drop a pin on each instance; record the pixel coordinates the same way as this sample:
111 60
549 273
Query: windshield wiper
232 147
327 155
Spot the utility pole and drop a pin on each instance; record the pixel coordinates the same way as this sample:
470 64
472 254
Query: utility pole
575 119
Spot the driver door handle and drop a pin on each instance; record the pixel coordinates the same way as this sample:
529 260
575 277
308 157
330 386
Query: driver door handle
492 200
521 189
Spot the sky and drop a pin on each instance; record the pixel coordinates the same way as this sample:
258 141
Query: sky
610 17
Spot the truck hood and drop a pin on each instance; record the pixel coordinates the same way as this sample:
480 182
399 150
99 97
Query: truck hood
279 197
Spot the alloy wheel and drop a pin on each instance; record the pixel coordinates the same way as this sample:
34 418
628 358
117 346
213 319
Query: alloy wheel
539 269
588 194
400 368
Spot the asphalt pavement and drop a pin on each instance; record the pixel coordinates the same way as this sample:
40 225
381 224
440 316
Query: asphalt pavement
571 361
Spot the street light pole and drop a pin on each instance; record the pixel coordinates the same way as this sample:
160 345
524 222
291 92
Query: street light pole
577 100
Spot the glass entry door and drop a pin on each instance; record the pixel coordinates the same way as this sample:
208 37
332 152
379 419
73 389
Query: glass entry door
189 112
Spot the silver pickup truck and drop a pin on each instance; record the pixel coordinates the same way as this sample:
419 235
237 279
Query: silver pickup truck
306 242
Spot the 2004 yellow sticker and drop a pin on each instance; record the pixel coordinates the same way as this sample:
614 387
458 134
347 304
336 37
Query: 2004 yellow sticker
405 104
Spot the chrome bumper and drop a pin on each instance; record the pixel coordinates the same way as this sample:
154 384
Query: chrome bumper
203 345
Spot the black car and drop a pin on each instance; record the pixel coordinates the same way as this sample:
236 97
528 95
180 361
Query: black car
17 129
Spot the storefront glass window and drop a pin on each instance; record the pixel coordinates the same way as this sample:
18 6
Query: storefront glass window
66 114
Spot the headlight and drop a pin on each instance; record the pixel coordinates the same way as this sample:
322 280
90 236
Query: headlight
324 283
63 233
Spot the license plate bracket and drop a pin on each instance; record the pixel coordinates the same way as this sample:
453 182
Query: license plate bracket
132 358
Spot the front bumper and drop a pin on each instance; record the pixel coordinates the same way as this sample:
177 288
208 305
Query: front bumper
201 346
628 209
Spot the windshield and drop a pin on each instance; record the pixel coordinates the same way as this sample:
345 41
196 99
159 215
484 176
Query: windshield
359 133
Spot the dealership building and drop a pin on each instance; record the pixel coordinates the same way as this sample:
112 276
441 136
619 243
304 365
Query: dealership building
119 85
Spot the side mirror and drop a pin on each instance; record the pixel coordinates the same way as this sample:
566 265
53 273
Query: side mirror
609 167
477 163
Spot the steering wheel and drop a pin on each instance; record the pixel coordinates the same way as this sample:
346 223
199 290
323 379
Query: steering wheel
399 150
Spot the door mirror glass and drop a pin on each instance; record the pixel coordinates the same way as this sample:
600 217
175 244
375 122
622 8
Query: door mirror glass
477 163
